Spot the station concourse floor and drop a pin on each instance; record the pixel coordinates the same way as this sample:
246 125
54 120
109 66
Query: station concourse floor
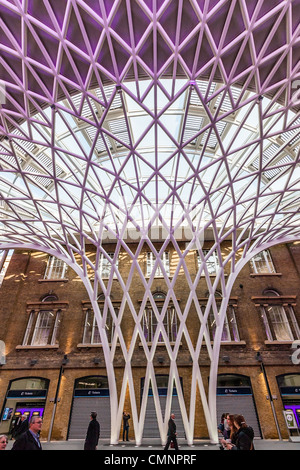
155 445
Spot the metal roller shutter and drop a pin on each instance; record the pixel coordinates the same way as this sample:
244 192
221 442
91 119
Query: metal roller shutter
151 427
243 405
81 412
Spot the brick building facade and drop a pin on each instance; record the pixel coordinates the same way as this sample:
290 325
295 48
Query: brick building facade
47 327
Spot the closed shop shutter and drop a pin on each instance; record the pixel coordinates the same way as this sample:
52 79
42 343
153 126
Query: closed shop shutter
81 412
151 427
243 405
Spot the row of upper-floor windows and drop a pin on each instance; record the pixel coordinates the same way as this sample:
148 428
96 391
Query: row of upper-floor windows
160 323
261 263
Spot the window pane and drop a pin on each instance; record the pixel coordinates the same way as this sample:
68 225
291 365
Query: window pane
28 329
262 263
56 268
212 262
279 321
88 327
151 261
43 328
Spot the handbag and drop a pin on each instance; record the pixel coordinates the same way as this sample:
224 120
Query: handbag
172 445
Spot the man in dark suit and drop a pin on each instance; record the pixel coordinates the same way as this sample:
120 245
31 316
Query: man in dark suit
29 440
93 433
171 433
21 426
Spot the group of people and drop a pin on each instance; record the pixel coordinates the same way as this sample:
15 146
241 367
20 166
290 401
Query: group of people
236 434
26 434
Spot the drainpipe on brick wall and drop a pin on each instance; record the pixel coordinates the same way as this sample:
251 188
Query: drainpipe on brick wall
262 366
56 399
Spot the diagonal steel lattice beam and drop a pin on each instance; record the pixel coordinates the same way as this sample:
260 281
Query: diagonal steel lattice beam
119 118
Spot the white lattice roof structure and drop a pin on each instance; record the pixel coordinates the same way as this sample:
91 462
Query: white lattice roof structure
118 117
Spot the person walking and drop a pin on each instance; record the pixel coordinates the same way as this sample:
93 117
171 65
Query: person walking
30 439
126 417
172 434
3 441
93 433
244 435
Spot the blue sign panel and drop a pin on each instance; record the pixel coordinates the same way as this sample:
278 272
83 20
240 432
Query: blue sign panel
91 392
27 394
290 390
234 391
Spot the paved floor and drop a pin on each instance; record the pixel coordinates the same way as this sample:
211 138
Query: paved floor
154 445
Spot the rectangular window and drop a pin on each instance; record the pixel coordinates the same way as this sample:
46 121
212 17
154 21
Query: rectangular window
262 263
151 262
43 328
277 324
91 333
230 330
106 263
56 268
150 324
212 262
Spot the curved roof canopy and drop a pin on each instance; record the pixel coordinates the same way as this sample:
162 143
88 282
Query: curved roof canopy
123 113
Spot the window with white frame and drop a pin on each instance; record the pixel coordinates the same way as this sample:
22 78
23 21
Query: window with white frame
42 328
56 268
105 265
212 262
262 263
91 334
279 319
230 330
44 321
150 321
5 257
151 262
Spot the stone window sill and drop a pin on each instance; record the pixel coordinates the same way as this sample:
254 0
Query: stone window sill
30 346
265 274
268 342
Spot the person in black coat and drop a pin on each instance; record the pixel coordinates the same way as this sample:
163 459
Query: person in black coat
29 440
244 435
172 434
21 427
93 433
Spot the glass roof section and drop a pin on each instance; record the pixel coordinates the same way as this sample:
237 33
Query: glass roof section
99 131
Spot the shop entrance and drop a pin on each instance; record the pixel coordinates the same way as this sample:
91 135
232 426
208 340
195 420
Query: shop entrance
90 394
24 396
151 429
289 386
234 396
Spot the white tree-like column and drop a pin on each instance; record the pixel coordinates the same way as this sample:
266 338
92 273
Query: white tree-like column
117 122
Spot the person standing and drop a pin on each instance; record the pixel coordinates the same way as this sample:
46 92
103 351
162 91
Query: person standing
30 439
172 434
93 433
126 417
21 427
244 435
